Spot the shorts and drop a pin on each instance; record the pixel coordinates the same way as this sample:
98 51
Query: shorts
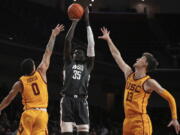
33 122
139 124
74 111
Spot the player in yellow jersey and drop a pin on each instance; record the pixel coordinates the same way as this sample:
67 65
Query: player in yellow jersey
33 88
138 88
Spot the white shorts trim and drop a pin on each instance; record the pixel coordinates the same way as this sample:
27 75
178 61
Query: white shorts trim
67 127
82 128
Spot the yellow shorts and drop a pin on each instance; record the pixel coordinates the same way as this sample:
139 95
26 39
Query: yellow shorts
137 125
33 122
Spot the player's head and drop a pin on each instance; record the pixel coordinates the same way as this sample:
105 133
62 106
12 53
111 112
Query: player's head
147 61
79 55
27 66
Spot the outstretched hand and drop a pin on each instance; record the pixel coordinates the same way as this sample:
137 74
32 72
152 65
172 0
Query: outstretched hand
105 33
175 124
84 3
59 28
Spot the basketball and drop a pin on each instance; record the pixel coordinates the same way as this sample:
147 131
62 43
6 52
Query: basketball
75 11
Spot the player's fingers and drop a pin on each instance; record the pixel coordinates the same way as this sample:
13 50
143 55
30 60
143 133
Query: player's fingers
177 130
170 124
105 29
61 27
102 30
100 37
57 26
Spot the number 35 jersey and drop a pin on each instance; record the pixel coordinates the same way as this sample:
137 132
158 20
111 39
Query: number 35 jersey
135 97
34 94
76 78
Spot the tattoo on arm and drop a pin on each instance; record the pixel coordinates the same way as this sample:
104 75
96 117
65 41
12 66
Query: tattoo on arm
50 44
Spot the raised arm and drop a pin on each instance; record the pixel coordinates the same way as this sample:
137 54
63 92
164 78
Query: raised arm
44 65
115 52
91 43
17 87
68 44
152 85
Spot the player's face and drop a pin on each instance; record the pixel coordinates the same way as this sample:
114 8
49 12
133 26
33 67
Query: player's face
79 55
140 62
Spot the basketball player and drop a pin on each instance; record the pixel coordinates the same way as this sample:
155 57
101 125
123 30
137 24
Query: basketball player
139 87
33 88
77 68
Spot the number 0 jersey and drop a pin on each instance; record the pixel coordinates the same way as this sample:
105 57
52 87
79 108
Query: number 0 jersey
135 97
76 78
34 94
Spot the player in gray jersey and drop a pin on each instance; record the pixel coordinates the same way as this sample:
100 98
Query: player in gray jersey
77 68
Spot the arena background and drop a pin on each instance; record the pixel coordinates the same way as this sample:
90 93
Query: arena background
136 26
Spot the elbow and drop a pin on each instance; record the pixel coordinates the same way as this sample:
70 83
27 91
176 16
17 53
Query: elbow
115 54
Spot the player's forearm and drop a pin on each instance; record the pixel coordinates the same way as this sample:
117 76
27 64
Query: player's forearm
87 18
50 45
70 33
114 51
172 103
5 103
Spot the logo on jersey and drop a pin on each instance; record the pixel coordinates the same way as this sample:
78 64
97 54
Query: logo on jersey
132 88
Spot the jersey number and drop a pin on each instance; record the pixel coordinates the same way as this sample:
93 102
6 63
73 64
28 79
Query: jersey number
129 96
35 89
76 75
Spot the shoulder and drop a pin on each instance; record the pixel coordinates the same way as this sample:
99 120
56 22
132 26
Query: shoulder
18 86
152 84
128 75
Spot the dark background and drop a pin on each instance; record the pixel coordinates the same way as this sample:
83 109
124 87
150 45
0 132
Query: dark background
136 27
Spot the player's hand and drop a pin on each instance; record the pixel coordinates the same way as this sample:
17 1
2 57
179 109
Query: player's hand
57 30
175 124
105 33
84 3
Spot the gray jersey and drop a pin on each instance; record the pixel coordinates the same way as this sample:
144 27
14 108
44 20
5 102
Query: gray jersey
76 78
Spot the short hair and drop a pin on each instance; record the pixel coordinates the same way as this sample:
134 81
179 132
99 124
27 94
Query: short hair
27 66
151 60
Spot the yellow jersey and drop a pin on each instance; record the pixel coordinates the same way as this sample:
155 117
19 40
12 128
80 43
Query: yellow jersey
135 97
34 94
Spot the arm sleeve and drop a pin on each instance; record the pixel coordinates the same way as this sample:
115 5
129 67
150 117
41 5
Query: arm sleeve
91 43
172 103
